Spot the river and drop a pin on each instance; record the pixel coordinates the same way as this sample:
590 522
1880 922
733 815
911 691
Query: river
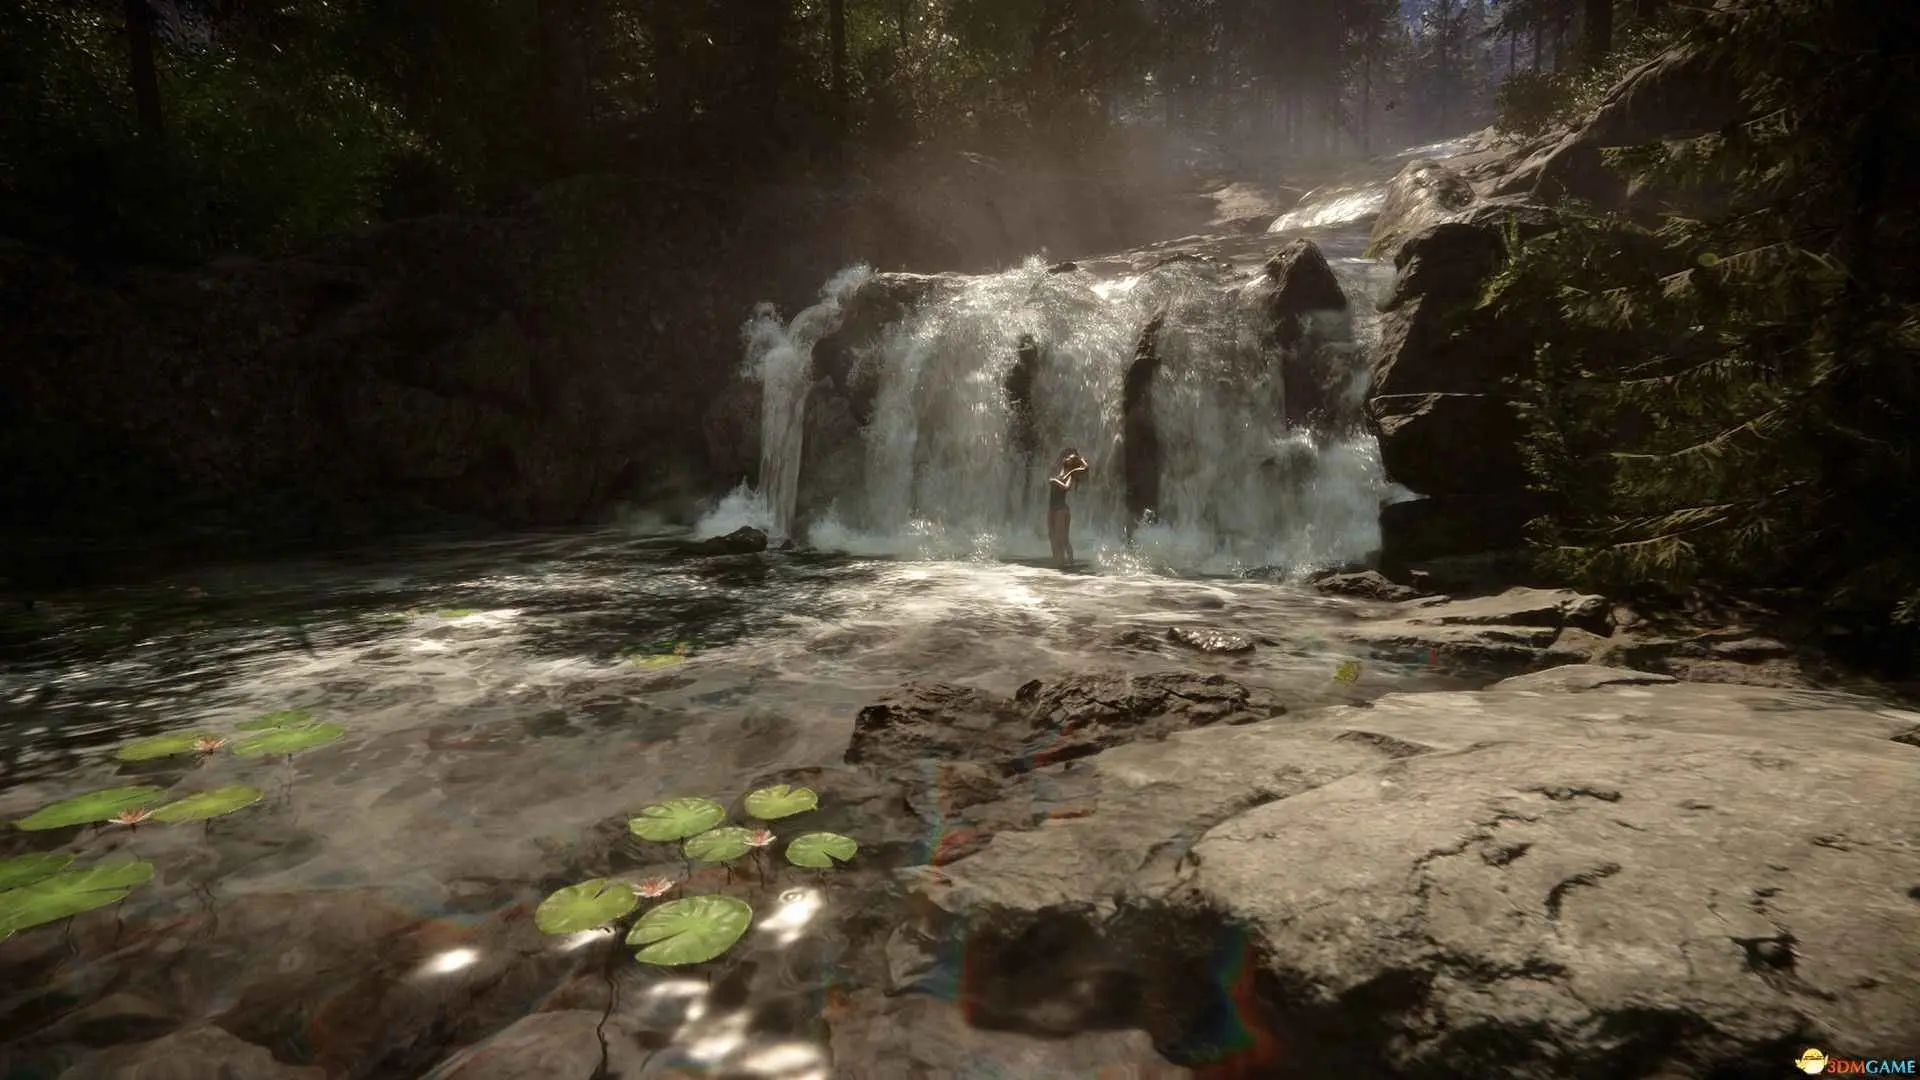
507 700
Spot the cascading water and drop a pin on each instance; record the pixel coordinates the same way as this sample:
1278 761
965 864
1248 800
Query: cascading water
780 358
939 466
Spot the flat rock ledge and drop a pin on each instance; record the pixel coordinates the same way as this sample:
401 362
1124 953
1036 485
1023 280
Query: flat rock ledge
1525 629
1580 872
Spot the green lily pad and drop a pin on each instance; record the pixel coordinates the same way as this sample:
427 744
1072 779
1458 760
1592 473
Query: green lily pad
209 804
27 869
457 612
778 801
690 931
676 819
89 808
586 906
289 740
720 845
70 893
275 720
819 849
162 746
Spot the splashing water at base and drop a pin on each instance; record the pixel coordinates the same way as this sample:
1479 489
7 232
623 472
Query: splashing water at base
780 357
941 473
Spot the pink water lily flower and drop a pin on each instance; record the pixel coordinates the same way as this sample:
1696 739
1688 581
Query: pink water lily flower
132 817
209 744
760 838
652 887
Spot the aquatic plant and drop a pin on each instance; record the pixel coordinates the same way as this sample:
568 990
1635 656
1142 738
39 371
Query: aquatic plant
162 746
695 929
92 808
819 850
457 612
18 870
283 718
66 893
676 819
721 845
289 740
780 801
690 931
207 805
586 906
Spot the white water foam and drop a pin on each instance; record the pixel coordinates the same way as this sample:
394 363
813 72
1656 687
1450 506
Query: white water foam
943 479
780 358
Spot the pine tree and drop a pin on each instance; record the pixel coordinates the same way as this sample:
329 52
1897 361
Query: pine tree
1731 397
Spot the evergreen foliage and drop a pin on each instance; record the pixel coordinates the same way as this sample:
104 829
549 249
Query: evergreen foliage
1731 397
209 126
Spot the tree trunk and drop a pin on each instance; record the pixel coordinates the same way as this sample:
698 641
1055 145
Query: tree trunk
1366 98
142 72
1539 43
1646 11
1597 39
837 47
1513 50
902 12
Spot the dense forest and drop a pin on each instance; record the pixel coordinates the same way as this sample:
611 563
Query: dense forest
178 129
1725 389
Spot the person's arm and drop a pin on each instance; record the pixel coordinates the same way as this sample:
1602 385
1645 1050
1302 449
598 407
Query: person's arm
1064 480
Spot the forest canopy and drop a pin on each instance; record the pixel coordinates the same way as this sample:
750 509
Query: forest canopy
178 129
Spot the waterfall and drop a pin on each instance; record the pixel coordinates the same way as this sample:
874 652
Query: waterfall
780 358
952 460
943 476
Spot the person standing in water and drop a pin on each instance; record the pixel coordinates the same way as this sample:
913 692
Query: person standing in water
1059 519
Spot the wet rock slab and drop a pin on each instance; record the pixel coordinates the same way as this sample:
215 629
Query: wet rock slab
1513 631
1581 872
1045 723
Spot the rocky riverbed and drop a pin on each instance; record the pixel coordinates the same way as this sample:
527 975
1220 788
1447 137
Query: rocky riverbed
1577 870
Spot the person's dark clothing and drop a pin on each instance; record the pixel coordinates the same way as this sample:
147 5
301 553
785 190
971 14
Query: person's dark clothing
1056 496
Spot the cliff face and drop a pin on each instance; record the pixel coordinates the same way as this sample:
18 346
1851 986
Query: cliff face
1444 383
524 368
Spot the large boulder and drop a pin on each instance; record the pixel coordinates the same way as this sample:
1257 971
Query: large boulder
1683 92
1581 875
1422 194
1433 338
1420 530
1450 444
1305 313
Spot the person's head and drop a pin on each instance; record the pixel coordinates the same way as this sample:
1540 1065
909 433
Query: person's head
1071 457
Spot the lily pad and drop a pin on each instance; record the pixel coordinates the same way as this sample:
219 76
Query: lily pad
778 801
273 720
457 612
209 804
586 906
720 845
162 746
664 660
690 931
89 808
289 740
676 819
27 869
819 849
70 893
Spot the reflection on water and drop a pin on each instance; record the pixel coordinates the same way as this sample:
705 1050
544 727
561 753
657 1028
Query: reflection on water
505 710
